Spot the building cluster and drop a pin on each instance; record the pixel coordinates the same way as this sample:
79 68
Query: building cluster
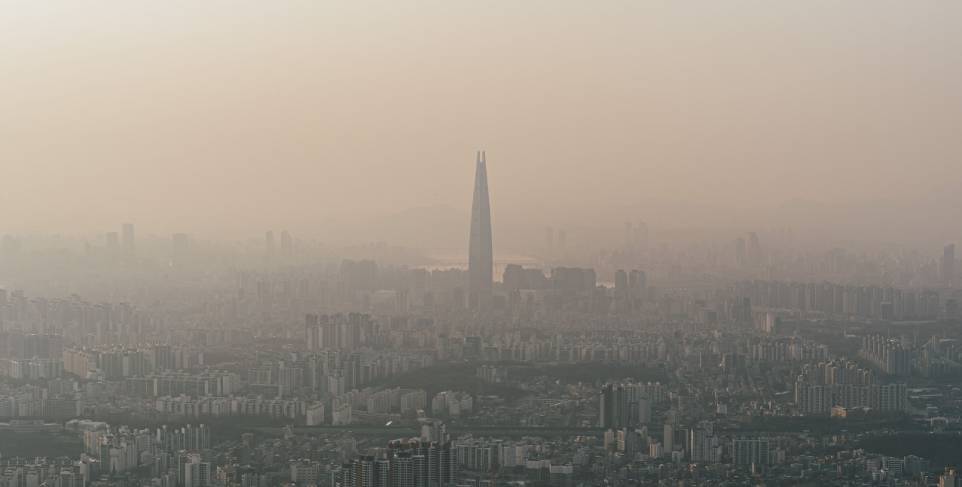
790 349
174 383
340 332
830 299
452 404
61 472
236 406
634 348
827 385
488 455
629 404
492 373
58 399
396 400
700 443
116 363
173 457
888 355
31 369
123 449
27 355
331 372
403 463
85 323
939 357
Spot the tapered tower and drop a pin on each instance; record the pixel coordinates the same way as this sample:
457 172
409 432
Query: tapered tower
480 253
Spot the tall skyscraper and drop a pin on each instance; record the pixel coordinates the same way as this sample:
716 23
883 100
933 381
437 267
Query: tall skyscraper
480 253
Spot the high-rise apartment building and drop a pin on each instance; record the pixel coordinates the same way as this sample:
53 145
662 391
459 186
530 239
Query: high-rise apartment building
626 405
751 451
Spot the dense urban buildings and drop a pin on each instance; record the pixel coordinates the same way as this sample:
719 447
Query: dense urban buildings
233 249
363 373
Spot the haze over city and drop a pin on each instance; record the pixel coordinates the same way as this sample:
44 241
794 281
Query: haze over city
480 244
336 119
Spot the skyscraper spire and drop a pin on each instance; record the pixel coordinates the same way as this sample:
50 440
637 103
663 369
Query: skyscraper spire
480 250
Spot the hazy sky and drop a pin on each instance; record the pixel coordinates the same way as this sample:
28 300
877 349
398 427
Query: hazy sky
233 117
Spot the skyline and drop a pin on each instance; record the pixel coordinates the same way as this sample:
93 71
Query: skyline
718 246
